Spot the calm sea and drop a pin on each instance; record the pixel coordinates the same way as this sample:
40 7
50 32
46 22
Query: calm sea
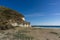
46 27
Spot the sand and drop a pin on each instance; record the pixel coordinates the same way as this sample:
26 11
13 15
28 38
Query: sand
30 34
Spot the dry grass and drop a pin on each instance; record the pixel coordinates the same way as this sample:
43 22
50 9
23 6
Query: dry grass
15 34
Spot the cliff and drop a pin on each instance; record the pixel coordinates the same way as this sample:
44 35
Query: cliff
8 16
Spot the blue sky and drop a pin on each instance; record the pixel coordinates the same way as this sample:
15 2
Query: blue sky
38 12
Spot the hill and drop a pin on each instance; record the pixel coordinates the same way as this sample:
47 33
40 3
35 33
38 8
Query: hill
8 16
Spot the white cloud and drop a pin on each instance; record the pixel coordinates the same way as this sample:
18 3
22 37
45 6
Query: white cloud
40 15
56 3
56 14
54 23
52 3
34 15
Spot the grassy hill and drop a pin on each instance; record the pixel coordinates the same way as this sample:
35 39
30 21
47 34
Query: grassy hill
7 14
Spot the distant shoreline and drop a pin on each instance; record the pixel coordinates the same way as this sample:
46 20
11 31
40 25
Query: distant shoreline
48 27
45 26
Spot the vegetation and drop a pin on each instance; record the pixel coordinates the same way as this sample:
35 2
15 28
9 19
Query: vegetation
22 36
7 14
17 34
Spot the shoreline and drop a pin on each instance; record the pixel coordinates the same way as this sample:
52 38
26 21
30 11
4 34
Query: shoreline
48 27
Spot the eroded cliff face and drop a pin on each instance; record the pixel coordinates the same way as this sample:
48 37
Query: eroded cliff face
9 18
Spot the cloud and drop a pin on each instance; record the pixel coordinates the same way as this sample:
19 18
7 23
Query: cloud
56 14
52 23
56 3
41 15
52 3
34 15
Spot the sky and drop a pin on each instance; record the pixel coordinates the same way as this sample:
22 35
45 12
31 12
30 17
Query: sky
37 12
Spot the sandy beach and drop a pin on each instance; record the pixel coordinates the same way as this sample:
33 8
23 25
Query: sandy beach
20 33
47 34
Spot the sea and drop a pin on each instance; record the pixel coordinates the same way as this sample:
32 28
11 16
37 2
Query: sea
50 27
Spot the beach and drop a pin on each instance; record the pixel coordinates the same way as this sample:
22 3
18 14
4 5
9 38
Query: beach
20 33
